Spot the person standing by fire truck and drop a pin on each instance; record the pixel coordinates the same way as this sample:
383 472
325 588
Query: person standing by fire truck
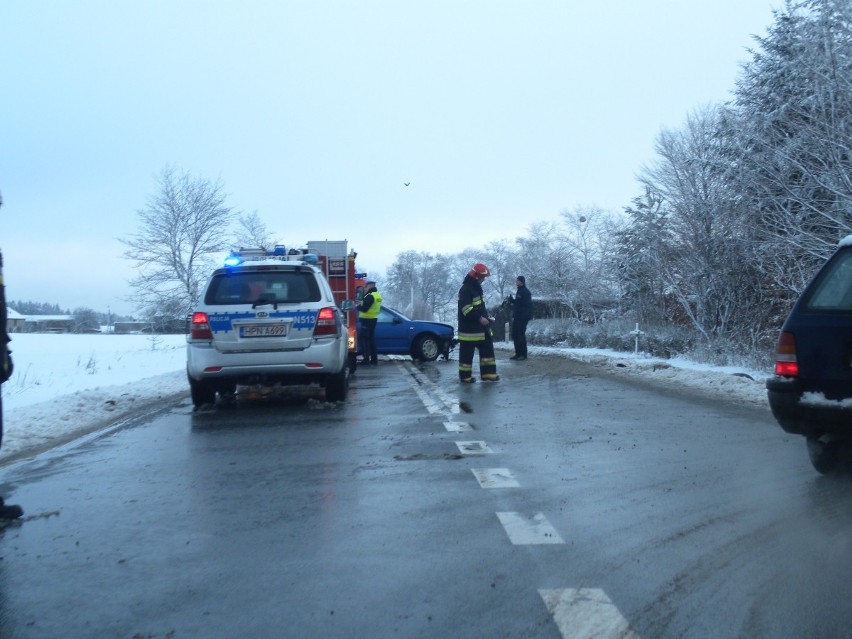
475 328
368 315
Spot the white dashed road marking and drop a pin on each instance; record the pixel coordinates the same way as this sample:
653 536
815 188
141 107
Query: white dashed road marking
586 613
579 613
473 448
525 531
495 477
457 427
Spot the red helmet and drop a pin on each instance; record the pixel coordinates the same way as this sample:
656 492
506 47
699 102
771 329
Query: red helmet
479 271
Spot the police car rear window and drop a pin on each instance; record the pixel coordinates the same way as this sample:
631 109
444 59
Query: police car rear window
272 287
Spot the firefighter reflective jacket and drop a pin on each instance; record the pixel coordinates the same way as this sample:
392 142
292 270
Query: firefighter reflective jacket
471 309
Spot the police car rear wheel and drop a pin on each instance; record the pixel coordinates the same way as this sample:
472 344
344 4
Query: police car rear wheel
201 392
337 386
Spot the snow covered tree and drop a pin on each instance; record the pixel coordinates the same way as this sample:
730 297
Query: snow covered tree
794 108
640 263
590 231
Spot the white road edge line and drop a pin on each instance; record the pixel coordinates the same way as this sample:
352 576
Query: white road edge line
450 404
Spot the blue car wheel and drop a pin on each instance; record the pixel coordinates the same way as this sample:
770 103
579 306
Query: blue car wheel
426 348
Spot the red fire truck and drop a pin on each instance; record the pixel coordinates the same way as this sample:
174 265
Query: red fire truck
338 265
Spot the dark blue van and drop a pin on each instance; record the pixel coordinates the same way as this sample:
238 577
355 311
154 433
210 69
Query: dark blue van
810 393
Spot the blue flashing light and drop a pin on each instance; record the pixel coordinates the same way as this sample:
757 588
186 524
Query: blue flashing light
279 250
310 258
233 260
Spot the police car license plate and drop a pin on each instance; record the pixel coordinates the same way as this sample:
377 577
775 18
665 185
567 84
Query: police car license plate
263 330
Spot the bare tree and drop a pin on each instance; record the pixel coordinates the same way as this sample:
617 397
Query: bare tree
590 231
253 233
85 319
421 284
183 225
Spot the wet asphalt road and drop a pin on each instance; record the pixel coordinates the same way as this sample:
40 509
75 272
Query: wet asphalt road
560 502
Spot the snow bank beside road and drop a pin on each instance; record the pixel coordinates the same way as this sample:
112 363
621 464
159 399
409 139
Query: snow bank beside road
66 385
729 383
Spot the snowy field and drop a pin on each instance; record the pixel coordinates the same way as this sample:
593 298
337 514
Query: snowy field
65 386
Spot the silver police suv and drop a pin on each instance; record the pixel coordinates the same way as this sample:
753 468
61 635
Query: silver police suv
266 318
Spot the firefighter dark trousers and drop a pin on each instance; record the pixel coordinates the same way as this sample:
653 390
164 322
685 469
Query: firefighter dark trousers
487 363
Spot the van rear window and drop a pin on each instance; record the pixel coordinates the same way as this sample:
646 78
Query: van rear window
264 287
832 290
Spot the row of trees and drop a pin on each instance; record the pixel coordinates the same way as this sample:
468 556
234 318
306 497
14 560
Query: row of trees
739 207
736 213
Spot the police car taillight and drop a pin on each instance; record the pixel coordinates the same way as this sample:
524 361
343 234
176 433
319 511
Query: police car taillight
786 363
199 328
327 323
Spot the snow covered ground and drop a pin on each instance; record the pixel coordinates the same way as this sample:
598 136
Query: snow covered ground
64 386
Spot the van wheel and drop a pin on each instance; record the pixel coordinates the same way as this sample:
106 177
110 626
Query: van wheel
825 455
201 392
337 386
353 362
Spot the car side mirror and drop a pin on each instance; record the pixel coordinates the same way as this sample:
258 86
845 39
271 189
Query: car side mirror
347 305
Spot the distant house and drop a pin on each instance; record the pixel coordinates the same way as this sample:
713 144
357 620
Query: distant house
131 327
14 321
48 323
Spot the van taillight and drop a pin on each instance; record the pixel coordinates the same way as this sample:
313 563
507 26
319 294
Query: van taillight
327 323
785 356
200 327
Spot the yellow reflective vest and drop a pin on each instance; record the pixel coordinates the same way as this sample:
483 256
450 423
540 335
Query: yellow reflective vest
372 312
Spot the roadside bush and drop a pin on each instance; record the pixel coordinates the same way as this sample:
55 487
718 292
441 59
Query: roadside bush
664 342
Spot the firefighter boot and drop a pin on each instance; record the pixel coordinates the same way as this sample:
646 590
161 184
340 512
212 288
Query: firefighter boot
10 511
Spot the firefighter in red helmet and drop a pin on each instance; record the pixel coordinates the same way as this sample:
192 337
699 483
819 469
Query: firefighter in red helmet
475 328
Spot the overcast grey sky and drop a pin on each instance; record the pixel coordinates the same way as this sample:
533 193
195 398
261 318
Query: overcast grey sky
315 113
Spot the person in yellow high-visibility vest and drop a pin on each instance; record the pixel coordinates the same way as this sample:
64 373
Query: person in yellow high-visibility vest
475 329
368 316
